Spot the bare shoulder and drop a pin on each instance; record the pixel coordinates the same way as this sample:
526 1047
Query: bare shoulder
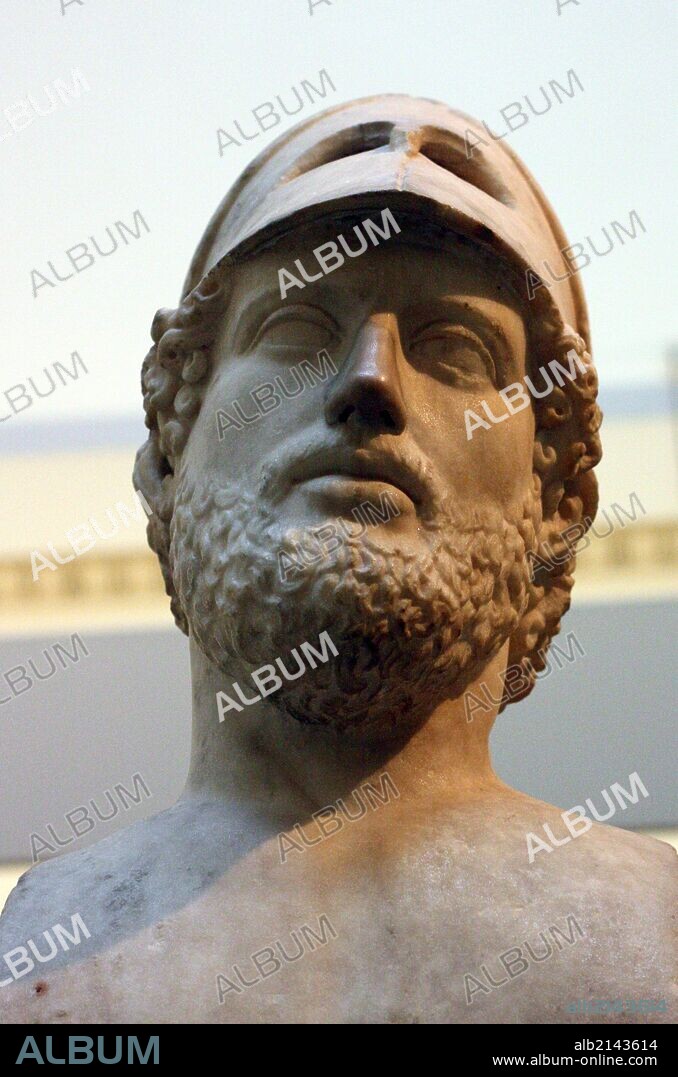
623 884
64 914
626 884
607 844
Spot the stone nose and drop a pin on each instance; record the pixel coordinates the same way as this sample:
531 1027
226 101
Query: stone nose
367 391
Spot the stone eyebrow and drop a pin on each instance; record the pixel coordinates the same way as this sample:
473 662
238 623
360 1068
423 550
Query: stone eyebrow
323 291
447 306
261 304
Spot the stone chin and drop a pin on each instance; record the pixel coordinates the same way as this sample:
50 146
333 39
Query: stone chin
411 627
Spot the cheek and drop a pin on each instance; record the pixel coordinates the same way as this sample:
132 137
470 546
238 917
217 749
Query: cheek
502 455
227 423
493 460
249 409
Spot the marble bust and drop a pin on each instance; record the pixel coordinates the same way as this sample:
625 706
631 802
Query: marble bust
369 416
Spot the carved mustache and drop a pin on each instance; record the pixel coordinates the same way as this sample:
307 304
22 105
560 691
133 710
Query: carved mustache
405 468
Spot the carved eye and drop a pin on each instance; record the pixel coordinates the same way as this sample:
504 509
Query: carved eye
298 327
453 353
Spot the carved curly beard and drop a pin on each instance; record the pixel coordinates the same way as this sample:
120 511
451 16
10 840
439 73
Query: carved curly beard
411 627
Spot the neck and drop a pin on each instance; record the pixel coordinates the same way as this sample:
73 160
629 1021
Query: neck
261 759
